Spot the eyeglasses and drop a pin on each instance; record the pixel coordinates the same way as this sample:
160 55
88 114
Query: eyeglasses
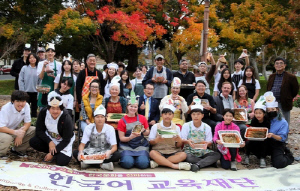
150 89
95 87
279 63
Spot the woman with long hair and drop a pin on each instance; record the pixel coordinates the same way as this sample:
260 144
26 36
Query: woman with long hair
250 82
225 77
136 83
127 87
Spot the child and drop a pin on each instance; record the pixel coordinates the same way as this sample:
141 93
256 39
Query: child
126 83
229 155
167 151
64 91
197 131
99 137
251 83
258 148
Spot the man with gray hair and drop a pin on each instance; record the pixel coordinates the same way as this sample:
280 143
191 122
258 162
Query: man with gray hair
187 79
86 76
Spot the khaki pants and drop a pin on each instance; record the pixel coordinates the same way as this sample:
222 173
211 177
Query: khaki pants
6 140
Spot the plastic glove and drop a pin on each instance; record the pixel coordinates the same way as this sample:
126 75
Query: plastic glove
108 153
80 153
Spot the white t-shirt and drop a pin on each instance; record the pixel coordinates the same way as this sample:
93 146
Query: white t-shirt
104 74
57 78
133 82
257 84
217 77
11 118
186 129
153 131
107 129
51 64
216 89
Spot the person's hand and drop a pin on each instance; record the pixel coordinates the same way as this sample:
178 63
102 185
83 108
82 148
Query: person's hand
251 115
80 153
176 138
19 133
48 157
18 141
108 153
134 135
219 142
270 135
159 138
52 148
154 79
165 81
243 144
152 122
142 107
51 75
207 107
191 143
87 121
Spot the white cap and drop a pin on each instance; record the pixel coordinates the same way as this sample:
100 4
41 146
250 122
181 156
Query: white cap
113 65
100 110
171 107
159 56
55 102
200 63
50 46
27 46
197 106
176 82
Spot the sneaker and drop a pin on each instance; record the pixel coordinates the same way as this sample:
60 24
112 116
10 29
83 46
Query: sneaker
153 164
4 157
83 165
19 154
246 161
195 168
233 166
107 166
184 166
262 163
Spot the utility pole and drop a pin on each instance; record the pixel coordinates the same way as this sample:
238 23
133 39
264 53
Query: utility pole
204 39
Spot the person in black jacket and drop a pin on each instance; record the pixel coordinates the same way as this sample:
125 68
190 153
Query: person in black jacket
18 64
54 132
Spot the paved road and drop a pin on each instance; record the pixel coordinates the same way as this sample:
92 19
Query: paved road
6 77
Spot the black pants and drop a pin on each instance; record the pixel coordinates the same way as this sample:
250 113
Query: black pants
205 160
40 145
258 148
226 164
280 155
115 157
32 101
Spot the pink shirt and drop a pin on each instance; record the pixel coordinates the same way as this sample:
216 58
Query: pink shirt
222 126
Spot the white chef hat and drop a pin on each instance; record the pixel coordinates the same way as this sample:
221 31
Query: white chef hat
169 105
113 65
270 100
100 110
197 106
115 82
260 104
50 46
176 82
57 101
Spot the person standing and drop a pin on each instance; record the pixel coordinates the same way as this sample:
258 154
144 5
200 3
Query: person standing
86 76
18 64
28 81
41 52
284 86
161 77
186 77
76 67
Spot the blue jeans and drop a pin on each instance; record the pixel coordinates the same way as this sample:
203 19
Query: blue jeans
83 124
140 162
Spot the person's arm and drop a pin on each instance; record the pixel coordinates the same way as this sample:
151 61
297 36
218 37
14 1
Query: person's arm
79 84
217 66
41 127
21 80
83 114
148 77
13 71
67 134
169 77
247 62
212 70
41 68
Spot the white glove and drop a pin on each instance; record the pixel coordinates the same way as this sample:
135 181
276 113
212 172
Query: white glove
80 153
19 133
108 153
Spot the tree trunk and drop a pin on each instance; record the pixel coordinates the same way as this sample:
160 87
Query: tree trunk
132 58
254 64
178 55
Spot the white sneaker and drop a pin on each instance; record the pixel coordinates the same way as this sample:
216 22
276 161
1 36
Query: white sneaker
184 166
233 166
262 163
153 164
107 166
4 158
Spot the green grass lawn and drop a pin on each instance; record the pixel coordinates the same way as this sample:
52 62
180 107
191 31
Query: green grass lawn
6 87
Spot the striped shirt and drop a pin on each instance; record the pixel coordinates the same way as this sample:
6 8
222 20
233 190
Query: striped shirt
277 86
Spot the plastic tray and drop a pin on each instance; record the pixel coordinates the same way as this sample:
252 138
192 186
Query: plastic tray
257 129
230 145
43 88
199 146
245 114
204 102
91 161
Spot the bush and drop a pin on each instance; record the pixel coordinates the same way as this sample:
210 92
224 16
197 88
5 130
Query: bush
296 101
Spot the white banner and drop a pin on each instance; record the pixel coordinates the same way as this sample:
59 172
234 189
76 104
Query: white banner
27 175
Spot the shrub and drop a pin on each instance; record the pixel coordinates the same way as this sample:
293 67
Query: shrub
296 101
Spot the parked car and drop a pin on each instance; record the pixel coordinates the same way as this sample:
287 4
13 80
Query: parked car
5 69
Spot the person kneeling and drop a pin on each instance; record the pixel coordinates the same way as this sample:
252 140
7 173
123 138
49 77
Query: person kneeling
54 132
11 116
98 138
167 151
197 133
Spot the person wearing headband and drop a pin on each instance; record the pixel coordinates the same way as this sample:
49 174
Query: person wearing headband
187 78
12 115
178 102
203 74
98 138
112 72
193 134
167 151
86 76
47 71
132 129
281 156
54 131
19 63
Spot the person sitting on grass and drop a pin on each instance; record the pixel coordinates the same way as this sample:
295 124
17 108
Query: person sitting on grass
11 116
229 155
98 137
197 132
54 132
167 151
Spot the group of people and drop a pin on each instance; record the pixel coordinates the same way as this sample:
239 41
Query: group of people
189 111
